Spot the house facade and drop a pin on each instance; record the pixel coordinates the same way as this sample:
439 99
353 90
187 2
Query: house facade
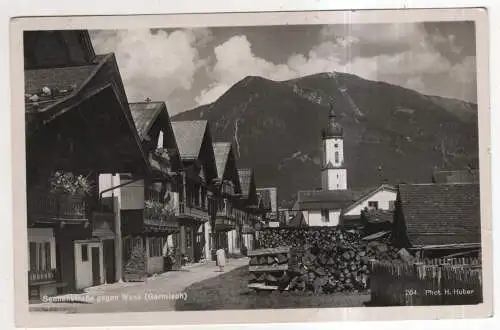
147 203
196 202
78 125
227 222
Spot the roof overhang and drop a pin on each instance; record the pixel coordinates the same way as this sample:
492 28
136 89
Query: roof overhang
97 119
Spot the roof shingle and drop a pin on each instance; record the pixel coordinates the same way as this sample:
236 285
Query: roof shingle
144 115
221 152
189 136
325 199
437 214
245 175
62 82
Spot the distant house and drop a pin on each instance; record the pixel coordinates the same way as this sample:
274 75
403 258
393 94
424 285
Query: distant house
228 219
437 219
270 196
251 205
196 205
381 198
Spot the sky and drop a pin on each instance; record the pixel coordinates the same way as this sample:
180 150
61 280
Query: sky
189 67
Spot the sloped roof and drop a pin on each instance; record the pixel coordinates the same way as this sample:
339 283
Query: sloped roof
144 115
245 175
363 194
189 136
325 199
438 214
62 82
460 176
221 153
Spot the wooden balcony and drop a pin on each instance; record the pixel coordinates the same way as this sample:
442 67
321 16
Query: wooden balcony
50 208
225 220
156 221
192 212
41 276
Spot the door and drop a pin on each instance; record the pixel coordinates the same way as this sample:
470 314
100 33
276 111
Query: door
96 266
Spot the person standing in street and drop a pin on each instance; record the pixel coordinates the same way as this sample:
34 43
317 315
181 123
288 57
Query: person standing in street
221 258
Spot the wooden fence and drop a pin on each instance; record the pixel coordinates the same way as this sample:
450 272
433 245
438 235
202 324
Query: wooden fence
429 282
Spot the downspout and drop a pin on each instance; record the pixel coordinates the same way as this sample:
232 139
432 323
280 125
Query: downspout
118 229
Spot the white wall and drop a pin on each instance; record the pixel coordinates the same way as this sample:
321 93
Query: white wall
383 197
208 230
334 179
83 269
42 235
331 149
314 218
248 241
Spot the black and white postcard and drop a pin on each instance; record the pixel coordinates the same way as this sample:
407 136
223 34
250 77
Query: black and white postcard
257 167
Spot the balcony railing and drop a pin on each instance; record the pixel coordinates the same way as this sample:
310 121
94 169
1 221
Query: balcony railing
197 213
57 207
41 276
156 218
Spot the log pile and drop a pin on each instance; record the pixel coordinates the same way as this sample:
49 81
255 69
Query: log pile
323 260
268 268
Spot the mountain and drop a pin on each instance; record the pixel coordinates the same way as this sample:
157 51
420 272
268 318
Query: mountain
392 134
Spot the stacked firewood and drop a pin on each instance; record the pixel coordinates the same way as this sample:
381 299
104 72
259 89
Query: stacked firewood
268 268
323 260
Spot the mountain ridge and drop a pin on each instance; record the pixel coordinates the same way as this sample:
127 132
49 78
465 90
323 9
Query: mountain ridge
392 134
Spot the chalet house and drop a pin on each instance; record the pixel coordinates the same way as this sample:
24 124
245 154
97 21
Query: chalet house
225 228
435 220
269 195
78 125
196 203
147 203
250 211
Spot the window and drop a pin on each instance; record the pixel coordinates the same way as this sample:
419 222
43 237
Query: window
325 215
337 157
40 256
373 205
391 205
85 252
189 237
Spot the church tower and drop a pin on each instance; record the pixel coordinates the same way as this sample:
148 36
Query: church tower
334 175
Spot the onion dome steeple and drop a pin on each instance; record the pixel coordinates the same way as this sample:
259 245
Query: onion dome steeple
334 130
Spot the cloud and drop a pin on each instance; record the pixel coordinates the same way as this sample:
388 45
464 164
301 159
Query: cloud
402 54
154 64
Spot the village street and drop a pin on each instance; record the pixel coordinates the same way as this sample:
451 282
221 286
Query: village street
155 294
